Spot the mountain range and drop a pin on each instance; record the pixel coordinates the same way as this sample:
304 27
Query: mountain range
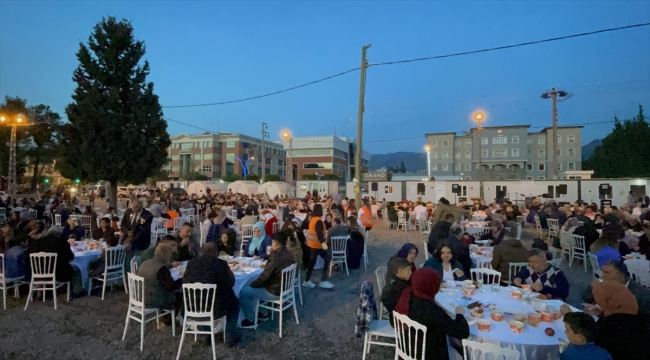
418 161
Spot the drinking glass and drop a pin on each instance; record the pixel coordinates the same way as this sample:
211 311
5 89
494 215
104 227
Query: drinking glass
479 281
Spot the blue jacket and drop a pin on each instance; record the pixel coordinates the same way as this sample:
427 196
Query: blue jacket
436 265
585 352
261 252
15 262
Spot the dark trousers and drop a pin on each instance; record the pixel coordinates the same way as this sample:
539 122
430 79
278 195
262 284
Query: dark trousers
313 256
232 317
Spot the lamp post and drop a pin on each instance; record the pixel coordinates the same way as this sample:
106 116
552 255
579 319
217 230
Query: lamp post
286 136
13 121
479 117
428 149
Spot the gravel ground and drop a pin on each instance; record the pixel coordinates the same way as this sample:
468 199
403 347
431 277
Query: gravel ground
89 328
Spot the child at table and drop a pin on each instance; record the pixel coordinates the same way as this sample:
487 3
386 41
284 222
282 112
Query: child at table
580 330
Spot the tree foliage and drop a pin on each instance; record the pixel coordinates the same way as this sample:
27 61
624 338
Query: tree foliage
252 177
625 151
272 177
309 177
230 178
194 176
402 168
330 177
116 130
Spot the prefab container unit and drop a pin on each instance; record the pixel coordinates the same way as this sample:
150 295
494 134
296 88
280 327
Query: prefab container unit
200 188
429 191
164 185
324 187
518 190
389 190
614 190
467 189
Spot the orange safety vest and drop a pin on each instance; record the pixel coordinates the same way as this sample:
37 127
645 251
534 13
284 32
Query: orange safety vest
312 238
366 217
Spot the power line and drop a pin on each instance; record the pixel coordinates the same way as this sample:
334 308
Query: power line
512 46
265 95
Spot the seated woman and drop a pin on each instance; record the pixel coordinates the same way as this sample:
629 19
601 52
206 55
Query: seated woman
355 245
220 224
418 303
73 230
173 213
496 234
228 243
409 252
398 274
105 230
257 245
443 262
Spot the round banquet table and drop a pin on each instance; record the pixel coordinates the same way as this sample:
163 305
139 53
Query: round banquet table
82 259
242 276
485 259
533 343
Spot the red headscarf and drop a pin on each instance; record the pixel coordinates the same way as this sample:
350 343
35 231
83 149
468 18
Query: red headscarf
614 298
425 284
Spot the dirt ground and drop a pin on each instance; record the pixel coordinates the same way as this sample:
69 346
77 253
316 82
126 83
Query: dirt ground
89 328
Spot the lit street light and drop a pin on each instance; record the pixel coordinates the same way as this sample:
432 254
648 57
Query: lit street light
428 149
286 136
13 121
478 117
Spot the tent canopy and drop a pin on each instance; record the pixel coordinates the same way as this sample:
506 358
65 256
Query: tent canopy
275 188
244 187
200 187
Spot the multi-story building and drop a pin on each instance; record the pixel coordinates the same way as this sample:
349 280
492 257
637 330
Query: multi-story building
217 155
320 155
504 152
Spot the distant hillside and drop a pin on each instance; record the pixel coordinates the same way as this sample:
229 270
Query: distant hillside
588 150
412 161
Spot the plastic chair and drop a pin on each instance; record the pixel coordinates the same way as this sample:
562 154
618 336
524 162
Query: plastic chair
138 312
489 276
339 252
477 350
378 328
514 269
57 220
296 285
365 251
113 268
5 280
246 233
287 297
593 260
425 246
86 222
401 221
565 243
3 215
199 305
134 264
44 276
578 249
410 336
380 273
233 213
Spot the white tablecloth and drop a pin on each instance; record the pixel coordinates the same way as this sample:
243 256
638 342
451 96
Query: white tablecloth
483 260
241 277
82 259
533 343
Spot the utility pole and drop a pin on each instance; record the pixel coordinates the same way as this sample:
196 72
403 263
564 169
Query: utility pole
359 152
265 134
553 95
479 117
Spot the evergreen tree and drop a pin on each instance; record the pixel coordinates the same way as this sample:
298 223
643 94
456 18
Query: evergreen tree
116 130
625 151
45 147
402 168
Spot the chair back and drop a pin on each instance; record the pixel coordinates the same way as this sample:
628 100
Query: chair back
33 213
489 276
556 262
199 300
425 247
401 215
134 264
287 283
246 231
538 224
514 269
178 222
233 213
593 260
85 221
477 350
578 242
478 217
380 273
339 245
43 265
187 212
115 258
410 338
3 211
2 268
553 224
57 220
136 290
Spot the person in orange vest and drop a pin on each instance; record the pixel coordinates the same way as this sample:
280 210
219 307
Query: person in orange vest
317 247
365 215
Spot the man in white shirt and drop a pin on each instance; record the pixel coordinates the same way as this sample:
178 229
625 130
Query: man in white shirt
420 212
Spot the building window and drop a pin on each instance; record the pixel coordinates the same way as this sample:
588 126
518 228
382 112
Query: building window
313 152
197 156
541 140
230 158
468 155
207 168
515 152
468 142
457 155
434 143
559 139
559 166
445 143
529 178
572 152
280 162
571 138
499 153
541 177
484 141
434 155
571 166
186 146
457 143
541 153
541 167
388 189
515 139
468 167
500 139
484 153
458 167
559 152
445 167
530 141
530 153
468 178
312 165
445 155
434 167
175 157
207 156
529 167
230 144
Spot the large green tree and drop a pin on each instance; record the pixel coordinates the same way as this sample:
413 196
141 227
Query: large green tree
45 146
625 151
116 130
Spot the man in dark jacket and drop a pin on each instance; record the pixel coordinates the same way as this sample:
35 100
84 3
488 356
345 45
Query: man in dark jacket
459 250
268 285
398 274
136 231
209 269
440 231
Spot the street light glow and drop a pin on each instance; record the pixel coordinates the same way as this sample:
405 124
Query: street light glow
478 116
19 119
286 135
2 118
427 148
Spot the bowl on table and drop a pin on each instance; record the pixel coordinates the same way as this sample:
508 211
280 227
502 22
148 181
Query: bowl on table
534 318
516 327
484 325
497 315
516 293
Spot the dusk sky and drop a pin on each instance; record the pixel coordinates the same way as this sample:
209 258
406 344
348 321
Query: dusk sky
211 51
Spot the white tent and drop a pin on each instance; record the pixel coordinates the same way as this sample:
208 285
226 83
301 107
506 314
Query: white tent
244 187
200 187
276 188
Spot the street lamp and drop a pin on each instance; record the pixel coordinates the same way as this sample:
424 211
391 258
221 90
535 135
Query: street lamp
286 137
478 117
13 121
428 149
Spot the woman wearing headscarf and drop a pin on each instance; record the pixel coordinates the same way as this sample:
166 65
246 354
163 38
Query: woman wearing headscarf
409 252
418 303
257 245
570 225
355 244
496 233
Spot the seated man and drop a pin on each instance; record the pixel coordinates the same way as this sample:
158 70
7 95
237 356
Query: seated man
15 259
159 286
267 285
543 277
188 246
617 271
398 274
209 269
439 232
